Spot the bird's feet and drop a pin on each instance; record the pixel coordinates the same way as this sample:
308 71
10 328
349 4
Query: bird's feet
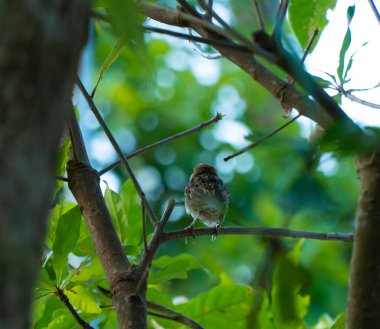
216 232
191 229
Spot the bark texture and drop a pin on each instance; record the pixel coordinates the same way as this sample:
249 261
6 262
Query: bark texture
364 294
40 44
127 283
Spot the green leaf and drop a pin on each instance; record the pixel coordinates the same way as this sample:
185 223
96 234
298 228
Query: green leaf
62 319
84 246
66 236
130 200
307 15
289 307
125 18
166 268
125 212
43 312
346 44
89 270
340 322
131 250
55 215
349 65
224 304
118 214
322 82
116 50
83 300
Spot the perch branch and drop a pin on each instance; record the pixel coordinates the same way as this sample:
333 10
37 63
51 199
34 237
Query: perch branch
266 231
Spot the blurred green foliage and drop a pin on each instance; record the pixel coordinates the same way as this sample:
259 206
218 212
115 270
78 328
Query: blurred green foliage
158 89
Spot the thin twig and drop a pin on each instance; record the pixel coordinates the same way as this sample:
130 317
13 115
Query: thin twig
360 101
125 162
228 32
258 15
140 284
306 51
157 235
61 295
143 225
211 42
265 231
200 51
105 291
291 81
169 314
198 128
251 146
62 178
374 9
309 44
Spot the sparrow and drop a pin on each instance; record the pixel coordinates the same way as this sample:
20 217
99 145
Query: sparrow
206 197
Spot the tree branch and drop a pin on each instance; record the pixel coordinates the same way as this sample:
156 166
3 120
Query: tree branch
364 291
173 315
251 146
359 100
122 278
259 15
61 295
265 231
279 89
117 148
327 113
198 128
157 236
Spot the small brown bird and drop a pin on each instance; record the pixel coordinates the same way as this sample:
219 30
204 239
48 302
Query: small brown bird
206 197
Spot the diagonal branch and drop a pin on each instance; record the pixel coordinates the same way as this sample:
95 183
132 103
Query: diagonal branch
326 113
259 15
169 314
208 41
279 89
117 148
198 128
251 146
157 236
61 295
359 100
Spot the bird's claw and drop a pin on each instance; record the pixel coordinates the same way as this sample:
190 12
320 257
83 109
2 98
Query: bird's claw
216 232
191 229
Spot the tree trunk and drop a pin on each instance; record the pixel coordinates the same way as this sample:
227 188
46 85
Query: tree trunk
364 295
40 45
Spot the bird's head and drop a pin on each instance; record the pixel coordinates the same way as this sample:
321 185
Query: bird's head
204 168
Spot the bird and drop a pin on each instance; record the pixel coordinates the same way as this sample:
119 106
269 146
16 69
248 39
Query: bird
206 197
